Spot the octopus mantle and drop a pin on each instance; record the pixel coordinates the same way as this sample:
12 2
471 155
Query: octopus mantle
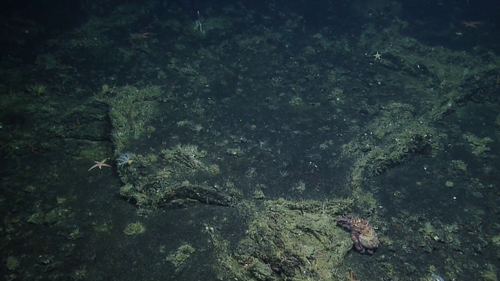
362 234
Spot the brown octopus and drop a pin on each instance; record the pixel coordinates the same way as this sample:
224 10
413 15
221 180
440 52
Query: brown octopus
362 234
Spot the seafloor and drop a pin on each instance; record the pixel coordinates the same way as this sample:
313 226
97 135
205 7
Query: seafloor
227 138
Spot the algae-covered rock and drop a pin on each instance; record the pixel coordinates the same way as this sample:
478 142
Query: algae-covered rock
182 254
479 146
134 228
286 239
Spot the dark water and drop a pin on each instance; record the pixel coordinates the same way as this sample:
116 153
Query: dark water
224 108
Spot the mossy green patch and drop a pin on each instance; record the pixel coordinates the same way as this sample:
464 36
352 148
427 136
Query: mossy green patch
285 239
134 228
182 254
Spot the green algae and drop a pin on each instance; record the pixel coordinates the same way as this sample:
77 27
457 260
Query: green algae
287 239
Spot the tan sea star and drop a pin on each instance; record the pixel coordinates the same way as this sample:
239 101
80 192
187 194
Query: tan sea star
100 164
